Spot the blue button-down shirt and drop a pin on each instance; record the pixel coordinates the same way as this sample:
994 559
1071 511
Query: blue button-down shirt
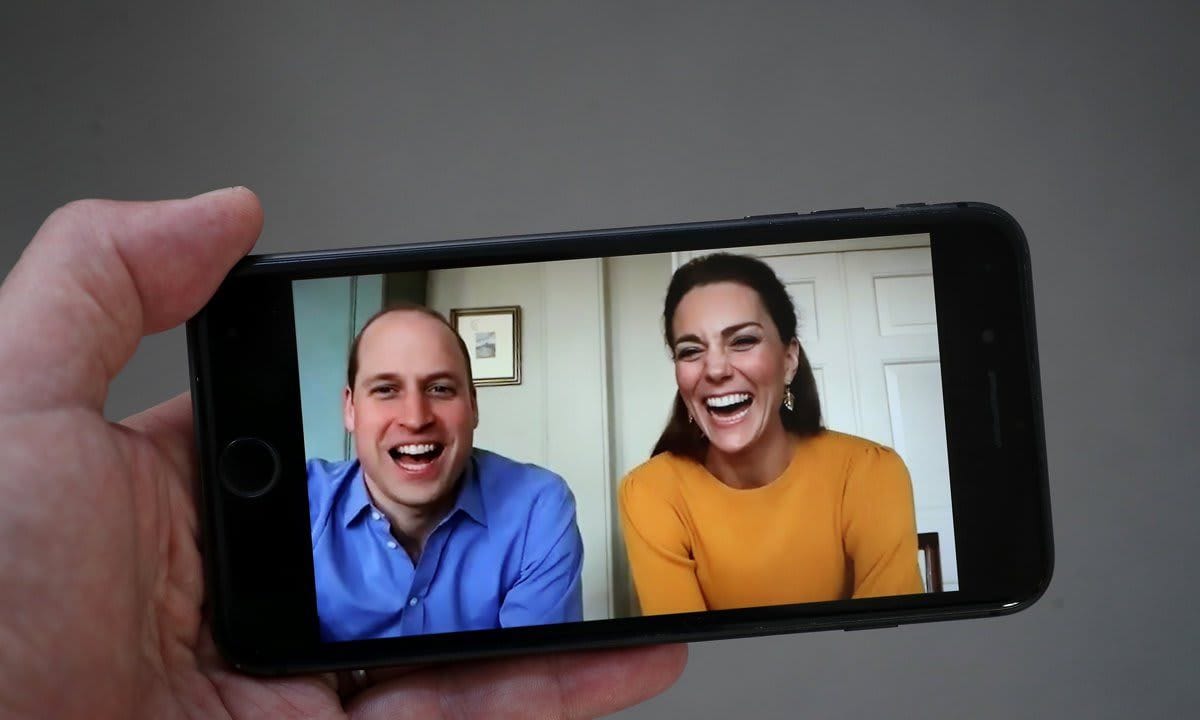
509 553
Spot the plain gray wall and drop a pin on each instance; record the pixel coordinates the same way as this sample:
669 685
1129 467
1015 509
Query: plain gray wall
377 122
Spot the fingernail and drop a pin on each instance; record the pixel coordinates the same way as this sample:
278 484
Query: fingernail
222 191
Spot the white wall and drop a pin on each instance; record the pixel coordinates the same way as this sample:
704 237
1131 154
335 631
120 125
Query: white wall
643 378
511 417
557 417
642 383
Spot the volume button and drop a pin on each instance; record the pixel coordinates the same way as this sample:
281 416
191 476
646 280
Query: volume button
771 216
838 210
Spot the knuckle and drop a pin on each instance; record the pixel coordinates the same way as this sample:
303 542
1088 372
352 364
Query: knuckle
76 221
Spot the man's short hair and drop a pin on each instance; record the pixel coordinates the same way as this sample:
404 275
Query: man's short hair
352 361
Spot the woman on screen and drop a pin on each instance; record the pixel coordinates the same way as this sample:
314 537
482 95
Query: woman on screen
746 499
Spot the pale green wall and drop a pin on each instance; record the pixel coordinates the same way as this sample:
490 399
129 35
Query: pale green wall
329 312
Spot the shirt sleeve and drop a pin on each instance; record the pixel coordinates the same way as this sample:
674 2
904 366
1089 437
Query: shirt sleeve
880 527
659 549
549 586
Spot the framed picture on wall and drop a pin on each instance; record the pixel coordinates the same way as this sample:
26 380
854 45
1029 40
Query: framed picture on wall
493 338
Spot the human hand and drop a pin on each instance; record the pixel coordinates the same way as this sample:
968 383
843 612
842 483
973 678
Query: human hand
100 574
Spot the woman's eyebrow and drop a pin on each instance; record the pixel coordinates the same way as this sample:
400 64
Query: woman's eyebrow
740 326
724 333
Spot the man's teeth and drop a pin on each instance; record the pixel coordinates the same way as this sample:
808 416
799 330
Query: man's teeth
727 400
416 449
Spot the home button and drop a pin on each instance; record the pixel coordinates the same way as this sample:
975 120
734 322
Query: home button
249 467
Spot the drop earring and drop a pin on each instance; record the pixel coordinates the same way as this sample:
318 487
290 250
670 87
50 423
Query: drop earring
789 401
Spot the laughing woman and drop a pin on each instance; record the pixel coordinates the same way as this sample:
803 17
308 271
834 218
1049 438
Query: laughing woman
747 500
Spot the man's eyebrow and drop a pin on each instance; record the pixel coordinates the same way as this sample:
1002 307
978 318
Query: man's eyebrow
393 377
443 375
724 333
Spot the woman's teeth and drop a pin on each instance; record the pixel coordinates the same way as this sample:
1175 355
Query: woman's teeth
722 401
729 408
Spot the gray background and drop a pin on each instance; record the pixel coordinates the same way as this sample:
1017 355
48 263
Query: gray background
378 122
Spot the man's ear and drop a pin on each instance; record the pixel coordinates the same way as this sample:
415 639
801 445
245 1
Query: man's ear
348 409
474 406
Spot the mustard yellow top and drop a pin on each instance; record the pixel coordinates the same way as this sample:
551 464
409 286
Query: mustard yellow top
838 523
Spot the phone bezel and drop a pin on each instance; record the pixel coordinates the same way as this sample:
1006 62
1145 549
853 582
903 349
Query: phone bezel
258 550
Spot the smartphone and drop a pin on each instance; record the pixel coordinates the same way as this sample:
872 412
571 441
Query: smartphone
437 451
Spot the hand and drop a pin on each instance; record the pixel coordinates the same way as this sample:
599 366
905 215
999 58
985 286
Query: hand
100 574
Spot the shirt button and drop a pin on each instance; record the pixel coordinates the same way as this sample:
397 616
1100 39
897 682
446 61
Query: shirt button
412 602
376 516
391 544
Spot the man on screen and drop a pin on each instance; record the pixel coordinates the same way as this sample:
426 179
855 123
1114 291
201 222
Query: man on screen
423 532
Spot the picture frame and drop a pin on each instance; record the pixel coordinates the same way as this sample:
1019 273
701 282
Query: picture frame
493 339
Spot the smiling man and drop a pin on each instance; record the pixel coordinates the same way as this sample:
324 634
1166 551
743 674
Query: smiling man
423 532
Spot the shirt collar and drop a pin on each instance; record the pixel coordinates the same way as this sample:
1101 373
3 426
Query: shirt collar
357 500
470 496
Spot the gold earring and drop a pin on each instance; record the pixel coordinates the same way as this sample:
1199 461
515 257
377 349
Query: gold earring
789 401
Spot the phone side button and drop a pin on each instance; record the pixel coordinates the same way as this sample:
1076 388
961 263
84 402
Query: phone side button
773 216
248 467
838 210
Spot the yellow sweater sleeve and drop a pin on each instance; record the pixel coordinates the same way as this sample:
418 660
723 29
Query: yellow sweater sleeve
658 543
879 525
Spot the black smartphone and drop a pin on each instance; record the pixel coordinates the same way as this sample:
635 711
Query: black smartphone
684 432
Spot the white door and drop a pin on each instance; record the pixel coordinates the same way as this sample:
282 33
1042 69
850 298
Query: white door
894 346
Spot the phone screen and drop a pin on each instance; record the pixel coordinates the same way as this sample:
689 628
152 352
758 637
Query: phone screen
545 442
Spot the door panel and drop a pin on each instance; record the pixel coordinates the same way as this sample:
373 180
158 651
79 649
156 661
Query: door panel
816 283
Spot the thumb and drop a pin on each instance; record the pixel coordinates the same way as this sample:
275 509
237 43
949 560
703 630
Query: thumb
101 274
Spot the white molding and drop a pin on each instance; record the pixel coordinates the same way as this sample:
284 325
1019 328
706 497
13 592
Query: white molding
606 426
